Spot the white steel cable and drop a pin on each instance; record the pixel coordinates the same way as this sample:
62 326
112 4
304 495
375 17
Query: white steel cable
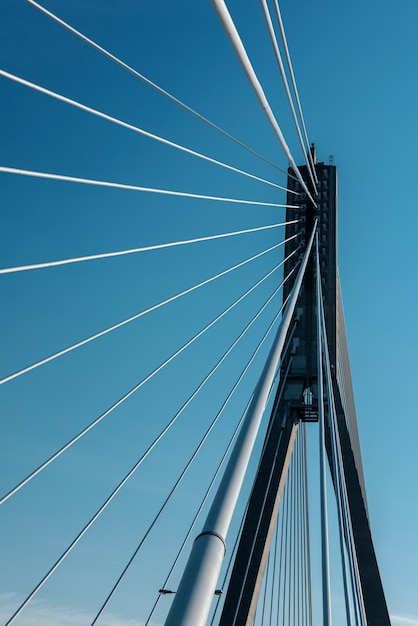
231 560
127 395
136 129
270 28
343 509
196 451
274 579
293 79
147 81
335 464
127 320
282 513
102 183
251 547
308 581
241 376
107 255
229 26
198 583
192 525
326 580
341 489
137 464
266 585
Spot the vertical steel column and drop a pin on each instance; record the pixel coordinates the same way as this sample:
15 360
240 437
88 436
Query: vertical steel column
326 591
336 462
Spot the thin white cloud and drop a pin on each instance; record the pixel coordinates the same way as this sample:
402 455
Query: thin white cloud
404 620
40 613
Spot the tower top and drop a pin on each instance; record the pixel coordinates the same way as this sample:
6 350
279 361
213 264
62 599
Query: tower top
313 153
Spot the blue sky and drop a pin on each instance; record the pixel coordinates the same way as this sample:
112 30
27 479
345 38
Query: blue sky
355 68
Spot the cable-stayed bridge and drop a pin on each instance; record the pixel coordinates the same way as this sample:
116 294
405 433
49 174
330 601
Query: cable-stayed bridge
124 421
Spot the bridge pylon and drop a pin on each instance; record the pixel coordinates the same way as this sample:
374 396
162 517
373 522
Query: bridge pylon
296 401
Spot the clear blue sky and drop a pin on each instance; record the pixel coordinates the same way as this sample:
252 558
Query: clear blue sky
355 65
